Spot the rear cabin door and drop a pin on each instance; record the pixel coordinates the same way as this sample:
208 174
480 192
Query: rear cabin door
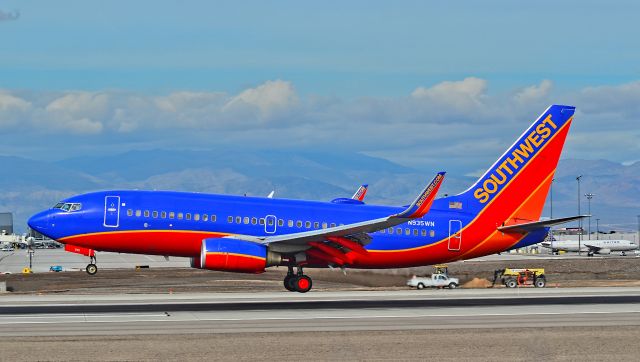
270 224
112 211
455 235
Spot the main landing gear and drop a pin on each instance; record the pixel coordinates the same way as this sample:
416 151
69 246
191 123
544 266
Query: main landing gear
297 282
92 268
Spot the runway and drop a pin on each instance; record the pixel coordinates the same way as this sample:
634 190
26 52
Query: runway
335 311
600 324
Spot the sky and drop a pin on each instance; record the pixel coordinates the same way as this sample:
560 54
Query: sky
421 83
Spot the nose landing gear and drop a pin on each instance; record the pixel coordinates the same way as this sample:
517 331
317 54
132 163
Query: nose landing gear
92 268
297 282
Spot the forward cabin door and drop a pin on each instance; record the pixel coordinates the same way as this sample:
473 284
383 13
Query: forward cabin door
112 211
455 235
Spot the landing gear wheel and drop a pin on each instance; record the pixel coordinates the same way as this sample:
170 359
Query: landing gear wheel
289 283
92 269
302 283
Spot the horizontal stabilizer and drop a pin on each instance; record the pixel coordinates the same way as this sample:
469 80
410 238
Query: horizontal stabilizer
530 226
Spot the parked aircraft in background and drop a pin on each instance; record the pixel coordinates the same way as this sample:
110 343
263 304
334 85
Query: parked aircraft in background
592 247
248 234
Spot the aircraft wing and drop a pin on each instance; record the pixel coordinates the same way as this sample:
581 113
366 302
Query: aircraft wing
593 248
530 226
357 231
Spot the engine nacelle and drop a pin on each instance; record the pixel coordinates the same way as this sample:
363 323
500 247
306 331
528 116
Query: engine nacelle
604 251
226 254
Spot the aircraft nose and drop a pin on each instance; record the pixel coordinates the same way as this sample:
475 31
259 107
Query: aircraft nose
39 222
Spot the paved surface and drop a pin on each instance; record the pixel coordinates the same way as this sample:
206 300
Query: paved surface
43 259
339 311
550 324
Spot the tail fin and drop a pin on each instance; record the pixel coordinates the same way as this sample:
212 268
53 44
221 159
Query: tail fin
518 182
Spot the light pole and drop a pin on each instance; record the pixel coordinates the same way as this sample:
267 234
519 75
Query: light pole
597 229
579 220
551 194
589 196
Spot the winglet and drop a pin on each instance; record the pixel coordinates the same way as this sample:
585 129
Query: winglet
423 202
359 195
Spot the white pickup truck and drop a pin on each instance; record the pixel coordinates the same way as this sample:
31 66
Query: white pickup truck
436 281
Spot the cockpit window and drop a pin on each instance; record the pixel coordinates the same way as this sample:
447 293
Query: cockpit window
68 206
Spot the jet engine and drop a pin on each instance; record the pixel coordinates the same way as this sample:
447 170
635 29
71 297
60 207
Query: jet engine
226 254
604 251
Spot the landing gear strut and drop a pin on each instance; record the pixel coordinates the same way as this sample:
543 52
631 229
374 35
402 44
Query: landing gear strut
92 268
297 282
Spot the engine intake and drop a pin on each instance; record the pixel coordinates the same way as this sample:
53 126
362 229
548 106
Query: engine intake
225 254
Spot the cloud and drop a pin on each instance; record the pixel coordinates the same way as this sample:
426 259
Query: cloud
269 99
466 94
8 16
458 120
534 93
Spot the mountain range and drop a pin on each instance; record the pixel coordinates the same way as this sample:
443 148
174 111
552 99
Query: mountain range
29 185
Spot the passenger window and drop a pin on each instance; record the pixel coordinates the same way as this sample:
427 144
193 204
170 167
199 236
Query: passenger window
324 225
246 220
423 232
196 217
138 213
238 219
390 230
316 225
187 216
261 221
254 221
180 216
290 223
163 214
213 218
280 222
307 224
230 219
299 223
407 231
146 213
383 231
415 232
205 217
155 214
172 215
399 231
432 233
271 221
333 224
129 212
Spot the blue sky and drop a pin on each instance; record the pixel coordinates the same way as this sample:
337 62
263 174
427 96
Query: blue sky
369 76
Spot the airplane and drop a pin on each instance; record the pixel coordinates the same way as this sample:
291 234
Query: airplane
591 247
499 212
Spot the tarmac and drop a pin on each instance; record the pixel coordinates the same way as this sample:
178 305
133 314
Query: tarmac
413 325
